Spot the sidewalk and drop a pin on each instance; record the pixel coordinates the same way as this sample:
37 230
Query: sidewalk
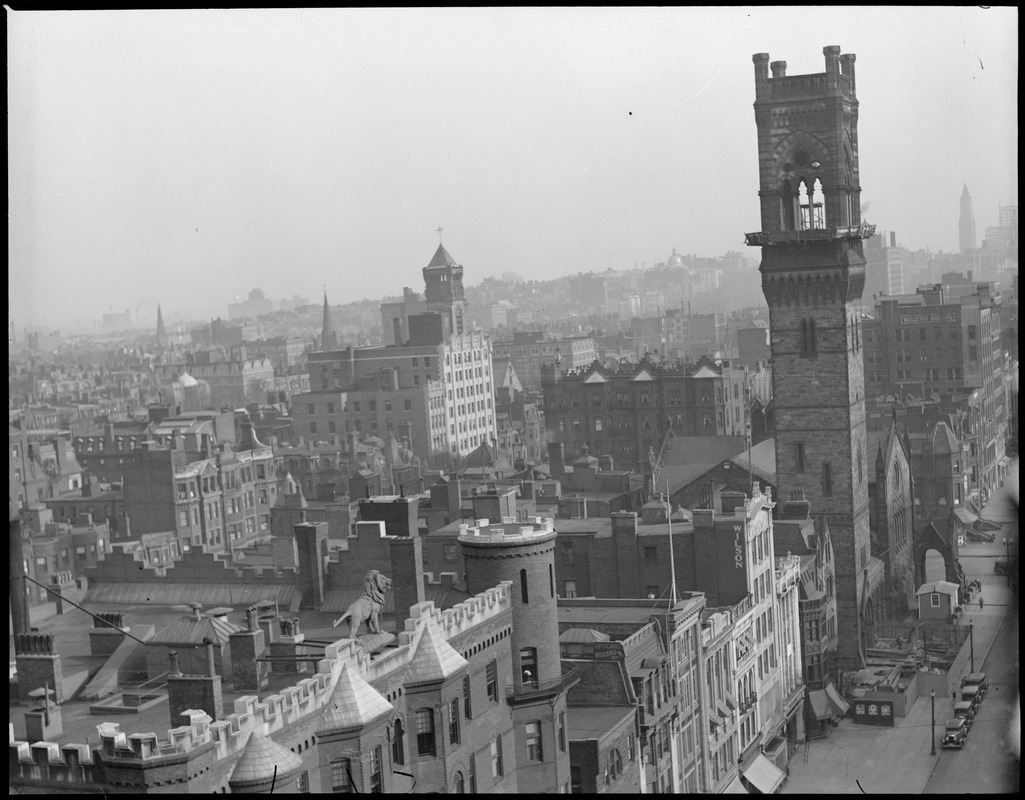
865 759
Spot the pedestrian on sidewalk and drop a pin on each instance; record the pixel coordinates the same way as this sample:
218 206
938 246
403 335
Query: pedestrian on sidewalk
980 604
953 696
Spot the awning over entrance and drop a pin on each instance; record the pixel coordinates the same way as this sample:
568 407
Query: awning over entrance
835 700
765 776
819 704
1004 461
735 787
965 516
723 709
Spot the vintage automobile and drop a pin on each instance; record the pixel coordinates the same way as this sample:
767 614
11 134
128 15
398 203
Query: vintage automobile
970 693
976 679
965 710
954 733
1000 566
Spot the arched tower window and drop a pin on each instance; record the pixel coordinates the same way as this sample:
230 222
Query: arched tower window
787 208
818 206
804 337
804 201
523 587
812 344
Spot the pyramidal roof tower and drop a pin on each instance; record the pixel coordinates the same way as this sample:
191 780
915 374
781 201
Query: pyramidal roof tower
443 288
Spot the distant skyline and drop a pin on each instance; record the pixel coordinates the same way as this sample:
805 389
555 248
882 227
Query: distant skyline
188 156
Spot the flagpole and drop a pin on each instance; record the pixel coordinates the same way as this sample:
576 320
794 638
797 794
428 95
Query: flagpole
672 556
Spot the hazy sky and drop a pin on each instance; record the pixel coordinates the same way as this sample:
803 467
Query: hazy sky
186 157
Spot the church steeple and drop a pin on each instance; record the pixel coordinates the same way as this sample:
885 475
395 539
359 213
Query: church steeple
966 222
328 339
161 333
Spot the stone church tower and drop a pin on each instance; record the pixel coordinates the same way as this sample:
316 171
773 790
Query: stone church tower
443 288
813 275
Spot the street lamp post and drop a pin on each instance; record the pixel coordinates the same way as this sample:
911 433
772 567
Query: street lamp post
932 705
1007 550
971 640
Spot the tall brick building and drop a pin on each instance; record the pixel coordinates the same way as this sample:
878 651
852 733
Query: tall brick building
625 412
813 276
430 389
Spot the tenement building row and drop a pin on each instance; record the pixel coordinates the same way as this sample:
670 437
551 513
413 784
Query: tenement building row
505 688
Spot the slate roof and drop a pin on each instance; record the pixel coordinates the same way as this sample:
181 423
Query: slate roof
442 258
174 593
188 630
763 460
582 636
690 457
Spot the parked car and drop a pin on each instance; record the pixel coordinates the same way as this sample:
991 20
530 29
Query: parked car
1000 566
971 694
955 733
981 536
965 709
976 679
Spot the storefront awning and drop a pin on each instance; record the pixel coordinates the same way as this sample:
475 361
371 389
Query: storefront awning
1004 461
819 704
735 787
965 516
724 710
765 776
835 700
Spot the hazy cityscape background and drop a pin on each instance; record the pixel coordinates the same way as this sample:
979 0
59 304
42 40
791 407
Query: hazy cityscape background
641 386
185 157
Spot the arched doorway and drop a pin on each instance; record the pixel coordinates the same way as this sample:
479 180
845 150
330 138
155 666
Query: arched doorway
935 566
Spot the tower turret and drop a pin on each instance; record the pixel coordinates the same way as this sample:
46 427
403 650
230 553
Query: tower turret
524 554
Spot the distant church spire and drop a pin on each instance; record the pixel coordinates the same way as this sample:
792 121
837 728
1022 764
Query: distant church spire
328 340
161 332
966 223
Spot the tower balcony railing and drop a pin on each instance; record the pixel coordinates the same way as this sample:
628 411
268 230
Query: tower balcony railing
532 689
848 232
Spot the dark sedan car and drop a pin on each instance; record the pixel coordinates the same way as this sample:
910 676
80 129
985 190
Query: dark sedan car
955 733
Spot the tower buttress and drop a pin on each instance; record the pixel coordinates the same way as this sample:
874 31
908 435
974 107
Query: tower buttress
813 275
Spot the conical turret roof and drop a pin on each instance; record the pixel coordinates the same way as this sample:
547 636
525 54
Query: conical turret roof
260 758
354 702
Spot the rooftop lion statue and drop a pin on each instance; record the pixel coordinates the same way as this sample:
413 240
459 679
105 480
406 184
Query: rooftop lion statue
369 605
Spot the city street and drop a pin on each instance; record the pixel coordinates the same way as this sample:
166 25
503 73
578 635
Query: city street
860 759
988 763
